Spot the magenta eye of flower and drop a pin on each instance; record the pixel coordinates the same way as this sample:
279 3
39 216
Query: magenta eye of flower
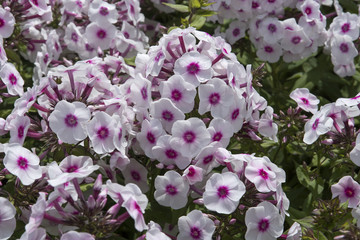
137 207
271 1
158 56
150 137
170 153
170 189
349 192
345 28
71 120
35 2
217 136
344 47
104 11
135 175
22 162
193 68
72 168
2 22
308 10
12 79
101 34
126 35
296 40
254 4
272 28
208 159
263 225
191 172
103 132
223 192
144 93
214 98
176 95
167 115
195 233
305 101
189 137
20 132
263 174
235 114
236 32
268 49
315 124
74 37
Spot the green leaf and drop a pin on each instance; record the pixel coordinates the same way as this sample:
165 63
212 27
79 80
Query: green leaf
198 21
13 56
194 4
86 187
205 13
178 7
307 222
130 61
349 5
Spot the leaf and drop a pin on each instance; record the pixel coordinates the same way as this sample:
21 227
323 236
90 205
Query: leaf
306 222
205 13
349 6
197 21
130 61
178 7
194 4
13 56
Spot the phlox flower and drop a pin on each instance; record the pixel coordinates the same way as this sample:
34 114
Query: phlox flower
180 92
68 121
103 12
37 213
194 67
22 163
190 136
171 190
164 110
310 9
294 232
140 91
101 130
319 124
195 226
264 174
74 38
305 100
347 190
18 129
235 31
100 35
136 173
149 135
219 133
295 40
155 233
223 192
267 127
270 52
76 235
12 79
206 159
271 29
7 219
119 160
346 24
343 50
237 113
193 174
263 222
7 22
215 96
37 234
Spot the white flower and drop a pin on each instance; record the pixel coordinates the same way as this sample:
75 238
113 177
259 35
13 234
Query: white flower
7 219
195 226
68 121
100 35
223 192
305 100
7 22
12 79
318 125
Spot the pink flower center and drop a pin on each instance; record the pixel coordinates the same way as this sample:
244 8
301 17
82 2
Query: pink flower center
135 175
268 49
195 233
72 168
236 32
208 159
167 115
103 132
191 172
144 93
150 137
2 22
35 2
170 153
104 11
272 28
101 34
74 37
170 189
223 191
308 10
344 47
71 120
349 192
315 124
305 101
255 4
345 28
214 98
263 225
158 56
193 68
217 136
176 95
12 79
21 132
189 137
263 174
126 35
235 114
137 207
296 40
22 162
